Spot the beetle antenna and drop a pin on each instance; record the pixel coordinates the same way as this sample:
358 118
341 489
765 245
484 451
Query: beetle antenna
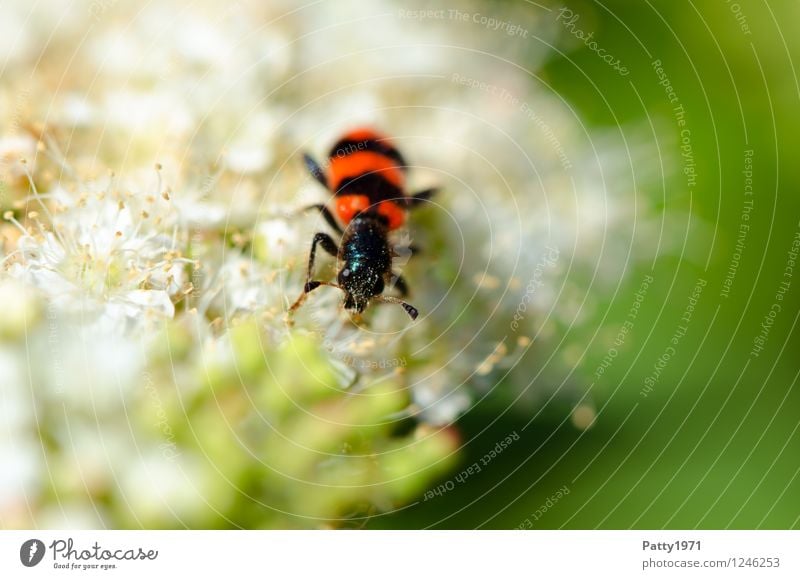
410 310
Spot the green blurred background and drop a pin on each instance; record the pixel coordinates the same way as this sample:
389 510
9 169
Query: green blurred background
638 405
715 444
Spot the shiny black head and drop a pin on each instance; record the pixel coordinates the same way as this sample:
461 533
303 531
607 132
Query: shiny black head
360 283
366 258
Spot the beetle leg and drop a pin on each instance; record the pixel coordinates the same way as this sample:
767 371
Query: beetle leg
315 170
421 196
329 246
326 213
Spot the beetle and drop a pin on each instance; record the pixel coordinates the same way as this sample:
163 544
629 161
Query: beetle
366 175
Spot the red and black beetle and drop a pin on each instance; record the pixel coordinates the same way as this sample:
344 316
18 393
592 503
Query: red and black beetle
366 175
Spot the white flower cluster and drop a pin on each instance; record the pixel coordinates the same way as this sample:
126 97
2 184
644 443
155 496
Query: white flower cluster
104 255
222 99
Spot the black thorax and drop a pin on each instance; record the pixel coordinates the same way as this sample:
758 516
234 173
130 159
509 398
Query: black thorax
366 258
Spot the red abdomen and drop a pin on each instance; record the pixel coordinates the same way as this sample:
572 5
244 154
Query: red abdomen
367 173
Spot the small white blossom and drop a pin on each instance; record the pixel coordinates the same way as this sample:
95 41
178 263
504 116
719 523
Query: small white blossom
105 257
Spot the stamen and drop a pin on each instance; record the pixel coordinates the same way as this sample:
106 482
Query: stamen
41 202
9 216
